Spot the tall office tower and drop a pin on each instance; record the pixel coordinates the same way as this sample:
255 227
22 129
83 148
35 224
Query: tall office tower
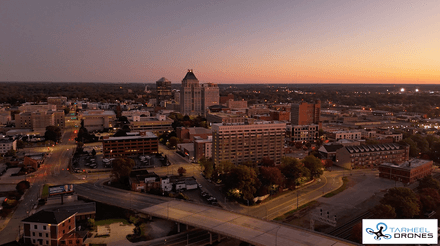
190 95
163 89
306 113
247 142
210 96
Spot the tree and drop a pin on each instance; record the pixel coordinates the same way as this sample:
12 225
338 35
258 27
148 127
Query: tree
267 162
66 110
429 182
421 142
22 186
91 224
382 211
314 165
242 179
403 200
122 168
208 167
120 133
429 198
173 142
181 171
271 177
413 149
52 133
224 167
293 171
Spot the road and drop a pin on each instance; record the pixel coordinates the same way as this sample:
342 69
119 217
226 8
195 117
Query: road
54 171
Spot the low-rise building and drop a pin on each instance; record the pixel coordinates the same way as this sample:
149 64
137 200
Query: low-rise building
202 148
300 133
187 134
159 124
351 135
368 156
6 145
407 172
145 143
48 227
98 120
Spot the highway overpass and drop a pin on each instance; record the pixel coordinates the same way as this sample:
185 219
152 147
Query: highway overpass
213 219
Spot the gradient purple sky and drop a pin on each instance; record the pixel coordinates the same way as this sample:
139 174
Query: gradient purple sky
256 41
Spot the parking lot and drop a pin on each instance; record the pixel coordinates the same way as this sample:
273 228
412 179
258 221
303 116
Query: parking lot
88 162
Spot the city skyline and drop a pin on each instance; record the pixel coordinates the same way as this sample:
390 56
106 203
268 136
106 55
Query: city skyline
224 42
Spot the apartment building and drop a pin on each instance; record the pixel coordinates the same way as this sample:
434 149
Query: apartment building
98 120
407 172
368 156
145 143
248 142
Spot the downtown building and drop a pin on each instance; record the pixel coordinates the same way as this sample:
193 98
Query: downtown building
305 113
196 98
239 143
163 90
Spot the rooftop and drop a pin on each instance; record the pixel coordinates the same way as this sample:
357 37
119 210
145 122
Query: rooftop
409 164
147 135
49 217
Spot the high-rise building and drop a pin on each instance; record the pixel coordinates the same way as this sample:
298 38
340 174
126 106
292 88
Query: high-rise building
195 98
210 96
306 113
190 95
239 143
163 89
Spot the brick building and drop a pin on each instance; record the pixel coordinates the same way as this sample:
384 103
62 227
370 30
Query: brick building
202 147
279 115
48 227
187 134
368 156
145 143
407 172
306 113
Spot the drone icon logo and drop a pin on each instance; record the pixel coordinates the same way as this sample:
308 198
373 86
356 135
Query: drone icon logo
379 234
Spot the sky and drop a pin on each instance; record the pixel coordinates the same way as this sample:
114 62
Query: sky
223 41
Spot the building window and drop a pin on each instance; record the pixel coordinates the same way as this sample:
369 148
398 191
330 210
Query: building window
47 234
64 232
35 227
33 234
44 227
40 234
